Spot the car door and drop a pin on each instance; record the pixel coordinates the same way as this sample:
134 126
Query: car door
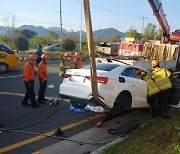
8 56
138 87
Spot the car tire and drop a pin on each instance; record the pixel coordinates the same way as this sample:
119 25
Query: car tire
78 105
123 102
3 67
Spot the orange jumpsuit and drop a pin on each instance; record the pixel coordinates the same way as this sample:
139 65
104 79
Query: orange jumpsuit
78 62
42 75
28 73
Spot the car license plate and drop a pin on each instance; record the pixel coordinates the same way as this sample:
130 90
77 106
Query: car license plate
77 78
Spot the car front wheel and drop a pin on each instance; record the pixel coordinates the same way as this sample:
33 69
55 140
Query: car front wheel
3 67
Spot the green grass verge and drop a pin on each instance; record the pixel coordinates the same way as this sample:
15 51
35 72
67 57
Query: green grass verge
160 136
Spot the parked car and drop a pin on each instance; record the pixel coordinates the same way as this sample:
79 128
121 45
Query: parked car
53 47
8 59
118 86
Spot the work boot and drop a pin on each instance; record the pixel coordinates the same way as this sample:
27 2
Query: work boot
166 116
41 102
1 125
45 99
35 105
25 104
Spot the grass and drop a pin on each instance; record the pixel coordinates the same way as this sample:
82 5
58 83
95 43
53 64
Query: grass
160 136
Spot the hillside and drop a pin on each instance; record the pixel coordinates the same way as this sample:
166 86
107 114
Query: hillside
40 30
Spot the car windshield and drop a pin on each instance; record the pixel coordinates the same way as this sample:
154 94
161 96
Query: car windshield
104 67
6 49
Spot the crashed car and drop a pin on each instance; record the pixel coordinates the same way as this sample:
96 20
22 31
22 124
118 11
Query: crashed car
119 87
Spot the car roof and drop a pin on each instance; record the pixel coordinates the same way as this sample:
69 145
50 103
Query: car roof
120 66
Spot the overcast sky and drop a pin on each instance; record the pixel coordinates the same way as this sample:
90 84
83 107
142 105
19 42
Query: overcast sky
119 14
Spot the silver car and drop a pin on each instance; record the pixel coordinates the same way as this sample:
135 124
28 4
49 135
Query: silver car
53 47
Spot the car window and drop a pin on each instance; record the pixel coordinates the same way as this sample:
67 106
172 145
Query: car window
104 67
130 72
6 49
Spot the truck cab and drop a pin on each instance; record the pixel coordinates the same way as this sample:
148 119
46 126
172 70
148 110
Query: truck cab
8 59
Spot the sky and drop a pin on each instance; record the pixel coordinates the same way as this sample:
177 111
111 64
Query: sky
119 14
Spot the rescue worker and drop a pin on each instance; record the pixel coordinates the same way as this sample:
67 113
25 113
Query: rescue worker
38 54
161 78
77 61
66 63
152 93
42 76
28 73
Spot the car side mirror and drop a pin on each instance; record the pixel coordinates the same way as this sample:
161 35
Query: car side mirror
121 79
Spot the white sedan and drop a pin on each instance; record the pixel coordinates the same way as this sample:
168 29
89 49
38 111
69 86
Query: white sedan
118 86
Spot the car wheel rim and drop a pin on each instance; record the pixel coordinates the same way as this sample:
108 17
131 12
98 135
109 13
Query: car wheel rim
3 68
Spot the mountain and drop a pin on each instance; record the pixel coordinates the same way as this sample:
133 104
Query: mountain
57 29
3 30
40 30
108 32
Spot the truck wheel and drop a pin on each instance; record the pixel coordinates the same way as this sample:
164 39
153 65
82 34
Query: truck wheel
78 105
3 67
123 102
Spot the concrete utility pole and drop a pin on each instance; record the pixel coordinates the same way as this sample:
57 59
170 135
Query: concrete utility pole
91 49
143 23
80 37
60 15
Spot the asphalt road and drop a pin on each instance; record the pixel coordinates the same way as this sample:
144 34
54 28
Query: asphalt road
45 119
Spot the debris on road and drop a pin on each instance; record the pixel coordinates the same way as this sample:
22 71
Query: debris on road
98 109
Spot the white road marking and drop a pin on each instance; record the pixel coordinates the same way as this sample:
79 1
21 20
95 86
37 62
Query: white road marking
14 76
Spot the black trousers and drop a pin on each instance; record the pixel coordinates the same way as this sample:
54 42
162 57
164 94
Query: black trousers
38 60
29 92
152 102
163 100
42 89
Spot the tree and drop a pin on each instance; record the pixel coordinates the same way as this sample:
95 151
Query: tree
113 38
44 41
150 32
159 34
53 35
4 39
68 45
9 22
28 33
21 44
133 33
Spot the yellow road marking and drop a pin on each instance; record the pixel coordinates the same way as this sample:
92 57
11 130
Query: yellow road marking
39 137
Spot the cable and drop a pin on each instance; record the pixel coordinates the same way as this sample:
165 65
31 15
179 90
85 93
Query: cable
36 123
63 138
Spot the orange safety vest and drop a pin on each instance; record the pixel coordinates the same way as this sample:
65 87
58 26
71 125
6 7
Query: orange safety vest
42 71
151 86
161 77
78 62
28 72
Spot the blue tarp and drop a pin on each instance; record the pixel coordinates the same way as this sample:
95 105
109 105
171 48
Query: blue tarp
77 110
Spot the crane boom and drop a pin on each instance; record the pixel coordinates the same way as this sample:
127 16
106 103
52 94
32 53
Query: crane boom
157 8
